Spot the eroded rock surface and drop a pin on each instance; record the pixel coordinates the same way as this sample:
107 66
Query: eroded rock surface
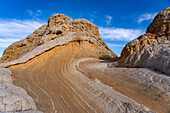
13 98
161 22
145 86
152 49
21 47
152 52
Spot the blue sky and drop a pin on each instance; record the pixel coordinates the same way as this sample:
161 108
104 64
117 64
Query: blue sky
119 21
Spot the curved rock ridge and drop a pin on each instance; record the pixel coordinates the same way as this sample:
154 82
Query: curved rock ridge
150 50
58 26
64 40
161 22
145 86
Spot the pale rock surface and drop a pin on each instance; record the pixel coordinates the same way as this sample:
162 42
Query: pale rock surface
155 57
13 98
115 102
72 36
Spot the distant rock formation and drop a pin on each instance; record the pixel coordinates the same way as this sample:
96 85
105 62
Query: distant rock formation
151 49
161 23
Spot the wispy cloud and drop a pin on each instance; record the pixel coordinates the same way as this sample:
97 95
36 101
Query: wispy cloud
115 45
12 30
35 13
145 17
18 28
120 34
108 19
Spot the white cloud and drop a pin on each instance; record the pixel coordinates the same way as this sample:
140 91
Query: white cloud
18 28
108 19
119 34
145 17
12 30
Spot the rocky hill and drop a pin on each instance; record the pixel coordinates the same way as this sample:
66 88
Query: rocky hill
65 66
58 26
151 49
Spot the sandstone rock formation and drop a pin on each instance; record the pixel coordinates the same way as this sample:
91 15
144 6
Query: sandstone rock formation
161 22
151 49
63 68
148 60
19 48
58 25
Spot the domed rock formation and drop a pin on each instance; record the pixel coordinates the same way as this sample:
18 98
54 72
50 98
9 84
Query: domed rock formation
161 22
151 49
58 26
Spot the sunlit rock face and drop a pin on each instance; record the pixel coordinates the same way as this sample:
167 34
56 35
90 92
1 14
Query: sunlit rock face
161 22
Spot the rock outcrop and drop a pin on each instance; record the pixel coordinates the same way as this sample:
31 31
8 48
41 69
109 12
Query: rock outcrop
20 48
58 26
151 49
161 23
13 98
